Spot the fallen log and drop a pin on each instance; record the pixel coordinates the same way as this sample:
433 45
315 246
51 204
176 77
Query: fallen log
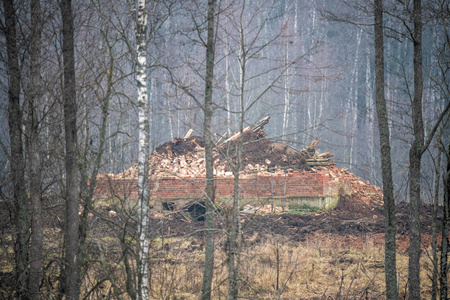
320 162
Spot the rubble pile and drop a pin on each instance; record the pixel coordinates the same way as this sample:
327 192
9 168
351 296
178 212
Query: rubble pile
185 157
263 154
359 188
180 147
265 209
364 199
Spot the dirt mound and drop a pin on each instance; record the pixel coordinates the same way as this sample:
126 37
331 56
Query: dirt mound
352 216
351 207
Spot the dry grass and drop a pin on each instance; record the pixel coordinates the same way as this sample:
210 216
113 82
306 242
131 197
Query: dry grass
322 267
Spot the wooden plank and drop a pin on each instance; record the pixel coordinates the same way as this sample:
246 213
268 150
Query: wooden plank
222 137
189 133
255 127
314 143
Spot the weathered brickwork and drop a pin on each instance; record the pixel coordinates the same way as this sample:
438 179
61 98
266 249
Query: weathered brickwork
295 187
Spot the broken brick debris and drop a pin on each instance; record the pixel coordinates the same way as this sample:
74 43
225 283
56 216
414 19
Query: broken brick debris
185 157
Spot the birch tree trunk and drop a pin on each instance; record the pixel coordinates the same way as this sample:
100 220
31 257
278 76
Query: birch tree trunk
144 151
385 151
71 234
20 217
227 84
209 162
350 123
371 115
34 154
287 103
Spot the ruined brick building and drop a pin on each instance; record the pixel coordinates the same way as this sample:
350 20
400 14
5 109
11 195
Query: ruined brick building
271 173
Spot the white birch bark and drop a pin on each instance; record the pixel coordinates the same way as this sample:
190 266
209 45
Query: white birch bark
294 119
144 151
227 85
370 121
287 103
311 94
151 100
323 90
354 115
352 100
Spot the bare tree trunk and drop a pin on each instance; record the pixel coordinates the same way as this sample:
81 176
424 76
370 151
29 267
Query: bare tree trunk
415 156
34 154
89 180
227 84
371 114
144 151
354 106
208 138
234 235
445 230
434 288
434 244
385 151
287 104
235 232
437 178
444 253
20 217
71 234
350 109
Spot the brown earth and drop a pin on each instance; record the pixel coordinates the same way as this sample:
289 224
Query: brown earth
351 225
352 221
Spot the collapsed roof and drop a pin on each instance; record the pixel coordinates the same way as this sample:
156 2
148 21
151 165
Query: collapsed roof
186 156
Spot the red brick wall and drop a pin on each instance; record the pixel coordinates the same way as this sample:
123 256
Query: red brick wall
296 184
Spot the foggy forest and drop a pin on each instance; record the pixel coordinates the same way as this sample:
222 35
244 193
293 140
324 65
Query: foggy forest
96 94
